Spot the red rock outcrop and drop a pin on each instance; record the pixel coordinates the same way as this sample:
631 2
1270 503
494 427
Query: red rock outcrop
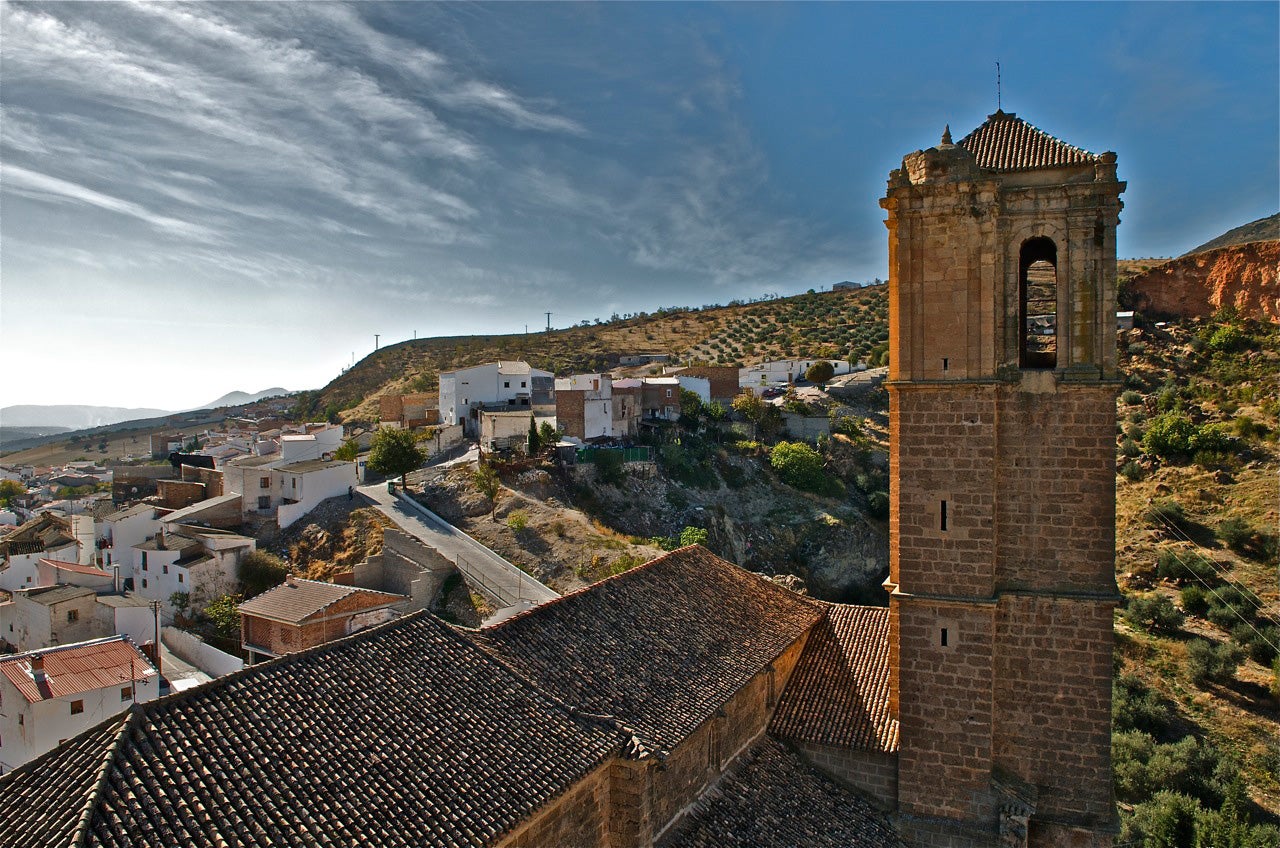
1242 275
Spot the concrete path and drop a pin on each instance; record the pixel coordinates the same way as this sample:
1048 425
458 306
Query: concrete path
505 584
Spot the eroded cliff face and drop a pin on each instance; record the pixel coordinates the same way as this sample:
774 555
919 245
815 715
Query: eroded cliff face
1243 276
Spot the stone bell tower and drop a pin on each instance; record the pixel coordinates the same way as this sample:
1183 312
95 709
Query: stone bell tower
1002 351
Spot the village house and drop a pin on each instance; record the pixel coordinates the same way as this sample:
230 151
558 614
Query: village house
780 373
287 487
504 431
628 407
300 614
660 398
54 694
723 381
463 392
197 562
584 406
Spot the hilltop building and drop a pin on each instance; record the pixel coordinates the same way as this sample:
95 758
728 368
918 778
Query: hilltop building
687 703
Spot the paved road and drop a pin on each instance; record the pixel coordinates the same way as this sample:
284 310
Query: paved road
497 578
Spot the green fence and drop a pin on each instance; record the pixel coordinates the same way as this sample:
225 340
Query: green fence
640 454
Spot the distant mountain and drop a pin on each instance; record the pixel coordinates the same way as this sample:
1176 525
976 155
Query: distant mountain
72 417
237 398
1263 229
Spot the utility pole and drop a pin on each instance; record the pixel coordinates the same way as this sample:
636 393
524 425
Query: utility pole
376 336
155 607
548 322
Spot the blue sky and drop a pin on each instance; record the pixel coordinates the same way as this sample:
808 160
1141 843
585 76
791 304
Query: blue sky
200 198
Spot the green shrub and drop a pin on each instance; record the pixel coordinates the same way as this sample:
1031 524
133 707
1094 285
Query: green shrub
1164 513
820 372
1194 600
1232 605
1210 663
1131 397
1136 706
1167 820
1235 533
693 536
518 520
1185 567
1132 471
1227 339
609 468
878 504
1169 436
259 571
1129 448
1153 612
800 466
1260 640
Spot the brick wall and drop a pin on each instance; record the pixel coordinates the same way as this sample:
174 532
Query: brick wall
178 494
571 411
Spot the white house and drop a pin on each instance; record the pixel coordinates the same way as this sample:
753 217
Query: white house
584 406
782 372
198 562
700 386
285 488
126 529
319 441
508 383
54 694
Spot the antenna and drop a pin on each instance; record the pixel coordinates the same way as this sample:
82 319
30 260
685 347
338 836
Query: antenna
548 322
998 106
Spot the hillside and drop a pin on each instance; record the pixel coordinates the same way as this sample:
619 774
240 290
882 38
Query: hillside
838 324
1263 229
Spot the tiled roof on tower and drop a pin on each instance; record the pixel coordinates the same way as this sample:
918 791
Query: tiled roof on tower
1005 142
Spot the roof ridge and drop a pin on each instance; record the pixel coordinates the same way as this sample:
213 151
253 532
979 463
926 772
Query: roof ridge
79 838
634 744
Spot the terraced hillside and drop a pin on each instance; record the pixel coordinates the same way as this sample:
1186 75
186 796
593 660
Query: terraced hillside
838 324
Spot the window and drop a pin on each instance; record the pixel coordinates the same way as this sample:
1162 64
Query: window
942 517
506 384
264 483
293 483
77 707
1038 296
144 582
144 560
264 502
668 393
522 384
126 693
942 637
73 616
180 577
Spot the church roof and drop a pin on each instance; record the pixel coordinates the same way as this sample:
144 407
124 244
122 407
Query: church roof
407 734
772 799
1005 142
660 647
839 691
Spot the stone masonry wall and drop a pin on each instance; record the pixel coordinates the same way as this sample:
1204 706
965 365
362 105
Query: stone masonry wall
1053 681
872 772
577 819
570 412
1057 488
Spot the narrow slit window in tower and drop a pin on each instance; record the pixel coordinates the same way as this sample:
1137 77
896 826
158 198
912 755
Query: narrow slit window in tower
1038 288
942 638
943 516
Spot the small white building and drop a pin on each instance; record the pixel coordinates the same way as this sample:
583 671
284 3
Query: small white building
124 530
700 386
44 536
285 488
54 694
507 383
783 372
584 406
198 562
501 431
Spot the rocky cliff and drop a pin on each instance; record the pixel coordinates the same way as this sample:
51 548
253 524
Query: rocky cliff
1243 276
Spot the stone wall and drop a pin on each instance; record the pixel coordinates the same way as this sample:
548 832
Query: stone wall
874 773
578 819
570 412
405 567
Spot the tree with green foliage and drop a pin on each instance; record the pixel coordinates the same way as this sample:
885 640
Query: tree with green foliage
1154 612
9 490
348 452
547 435
224 614
799 465
691 410
764 416
534 440
1210 663
693 536
486 480
395 453
820 371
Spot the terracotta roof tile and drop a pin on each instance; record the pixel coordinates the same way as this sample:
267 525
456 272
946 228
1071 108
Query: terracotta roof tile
406 734
774 800
660 647
1005 142
297 599
75 567
72 669
839 691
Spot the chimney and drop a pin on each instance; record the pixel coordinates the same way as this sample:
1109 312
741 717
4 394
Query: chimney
160 541
37 668
288 578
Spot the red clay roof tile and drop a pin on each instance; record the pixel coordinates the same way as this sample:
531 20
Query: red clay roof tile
1005 142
